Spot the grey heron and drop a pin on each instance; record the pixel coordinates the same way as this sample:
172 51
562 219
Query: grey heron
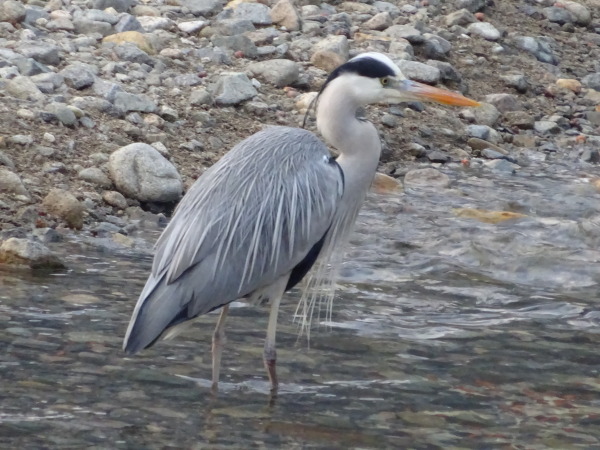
254 224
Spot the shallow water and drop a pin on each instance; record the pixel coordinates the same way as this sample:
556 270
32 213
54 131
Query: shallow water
448 332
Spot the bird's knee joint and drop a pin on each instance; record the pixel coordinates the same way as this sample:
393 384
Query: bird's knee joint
270 355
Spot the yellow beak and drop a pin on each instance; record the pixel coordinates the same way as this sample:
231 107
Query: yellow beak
424 92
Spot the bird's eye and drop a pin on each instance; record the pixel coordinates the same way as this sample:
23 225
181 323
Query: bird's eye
385 81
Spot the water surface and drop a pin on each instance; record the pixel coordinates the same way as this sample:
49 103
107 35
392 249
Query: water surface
448 332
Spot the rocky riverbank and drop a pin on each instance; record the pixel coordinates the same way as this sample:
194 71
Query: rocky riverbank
110 109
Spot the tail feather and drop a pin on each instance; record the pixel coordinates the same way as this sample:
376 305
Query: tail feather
159 307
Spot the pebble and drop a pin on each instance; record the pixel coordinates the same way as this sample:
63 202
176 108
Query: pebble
28 252
140 172
64 205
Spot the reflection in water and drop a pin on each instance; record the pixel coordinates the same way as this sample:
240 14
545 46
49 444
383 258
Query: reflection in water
447 332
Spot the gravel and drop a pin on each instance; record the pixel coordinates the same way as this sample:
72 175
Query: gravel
80 81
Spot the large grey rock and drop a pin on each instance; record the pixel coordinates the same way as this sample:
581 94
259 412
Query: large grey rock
41 52
86 26
131 52
106 89
64 204
461 18
231 27
140 172
61 113
486 114
472 5
101 16
127 22
119 5
10 183
504 102
279 72
538 47
408 32
420 72
202 7
30 253
233 88
29 67
558 15
484 29
237 43
592 81
257 13
126 102
79 75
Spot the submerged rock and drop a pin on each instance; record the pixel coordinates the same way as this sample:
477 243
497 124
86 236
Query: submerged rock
26 252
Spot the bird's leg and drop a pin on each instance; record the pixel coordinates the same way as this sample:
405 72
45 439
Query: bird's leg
270 354
218 341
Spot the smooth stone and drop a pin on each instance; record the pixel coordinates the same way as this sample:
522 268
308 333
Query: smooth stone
140 172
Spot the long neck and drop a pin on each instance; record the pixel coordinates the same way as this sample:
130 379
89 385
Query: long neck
356 140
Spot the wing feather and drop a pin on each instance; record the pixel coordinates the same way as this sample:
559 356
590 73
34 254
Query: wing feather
248 220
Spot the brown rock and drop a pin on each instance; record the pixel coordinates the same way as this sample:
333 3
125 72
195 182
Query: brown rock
64 205
326 60
284 14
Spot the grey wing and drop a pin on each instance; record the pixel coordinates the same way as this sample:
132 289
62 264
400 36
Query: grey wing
248 220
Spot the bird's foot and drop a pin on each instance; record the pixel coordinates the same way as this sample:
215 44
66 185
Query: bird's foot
270 359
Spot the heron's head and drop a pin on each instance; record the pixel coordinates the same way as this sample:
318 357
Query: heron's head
374 78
